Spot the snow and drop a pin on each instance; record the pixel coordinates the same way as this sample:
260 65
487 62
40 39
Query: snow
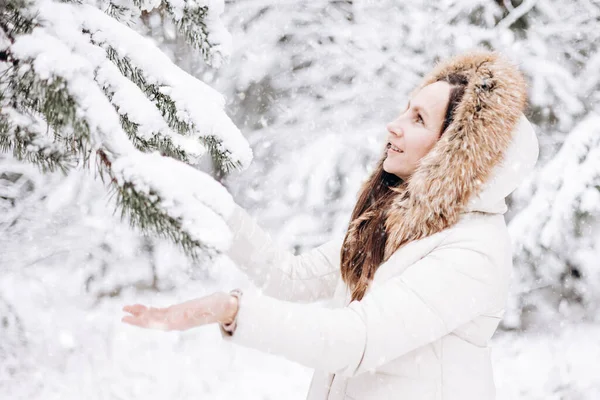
40 137
189 94
58 49
553 364
311 85
88 353
54 57
184 199
130 101
544 231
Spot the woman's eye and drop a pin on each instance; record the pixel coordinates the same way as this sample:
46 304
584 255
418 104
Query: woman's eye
420 119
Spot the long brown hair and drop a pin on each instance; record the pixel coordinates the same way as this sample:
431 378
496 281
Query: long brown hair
364 244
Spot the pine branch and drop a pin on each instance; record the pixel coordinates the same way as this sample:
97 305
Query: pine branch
146 214
12 20
192 26
62 78
169 111
118 11
191 18
28 142
22 88
145 211
158 142
50 99
162 101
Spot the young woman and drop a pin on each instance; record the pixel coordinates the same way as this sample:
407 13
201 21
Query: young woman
418 284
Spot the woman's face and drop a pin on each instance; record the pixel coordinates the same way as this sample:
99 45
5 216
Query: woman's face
416 130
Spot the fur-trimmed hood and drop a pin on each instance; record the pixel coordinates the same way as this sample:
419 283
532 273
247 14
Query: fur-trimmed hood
481 158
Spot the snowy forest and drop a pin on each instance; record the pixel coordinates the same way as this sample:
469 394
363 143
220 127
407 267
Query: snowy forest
128 129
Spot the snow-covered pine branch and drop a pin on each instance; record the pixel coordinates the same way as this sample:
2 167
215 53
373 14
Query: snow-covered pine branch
556 245
77 82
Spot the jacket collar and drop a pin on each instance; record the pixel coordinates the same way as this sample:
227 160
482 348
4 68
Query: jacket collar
480 159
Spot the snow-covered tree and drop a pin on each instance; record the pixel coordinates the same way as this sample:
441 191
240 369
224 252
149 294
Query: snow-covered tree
78 85
67 266
15 186
558 236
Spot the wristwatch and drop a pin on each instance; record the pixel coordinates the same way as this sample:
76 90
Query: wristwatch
229 328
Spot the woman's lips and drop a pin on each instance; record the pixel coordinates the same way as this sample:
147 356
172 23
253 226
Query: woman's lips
390 150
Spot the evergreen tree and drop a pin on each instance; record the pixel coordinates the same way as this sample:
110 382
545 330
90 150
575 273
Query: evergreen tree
557 237
79 88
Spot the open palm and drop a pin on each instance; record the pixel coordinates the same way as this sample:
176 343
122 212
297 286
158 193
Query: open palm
192 313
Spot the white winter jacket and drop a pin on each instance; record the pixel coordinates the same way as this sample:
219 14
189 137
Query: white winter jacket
423 328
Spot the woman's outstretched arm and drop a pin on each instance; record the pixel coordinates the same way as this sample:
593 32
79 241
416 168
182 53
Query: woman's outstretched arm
449 287
307 277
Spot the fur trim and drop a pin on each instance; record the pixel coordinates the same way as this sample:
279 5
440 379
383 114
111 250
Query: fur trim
462 160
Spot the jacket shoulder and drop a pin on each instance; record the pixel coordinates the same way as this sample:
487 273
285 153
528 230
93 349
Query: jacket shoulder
486 234
478 229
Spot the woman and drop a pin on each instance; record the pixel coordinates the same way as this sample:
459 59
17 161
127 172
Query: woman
418 284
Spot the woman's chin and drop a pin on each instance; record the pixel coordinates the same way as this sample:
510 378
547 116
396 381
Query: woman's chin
388 168
385 166
391 170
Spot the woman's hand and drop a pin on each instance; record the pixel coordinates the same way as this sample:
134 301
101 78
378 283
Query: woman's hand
218 307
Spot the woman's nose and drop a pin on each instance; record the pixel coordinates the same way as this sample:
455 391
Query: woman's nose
394 128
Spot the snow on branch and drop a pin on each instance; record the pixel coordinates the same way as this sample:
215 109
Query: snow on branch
555 249
104 89
201 25
142 121
30 138
174 207
568 185
189 105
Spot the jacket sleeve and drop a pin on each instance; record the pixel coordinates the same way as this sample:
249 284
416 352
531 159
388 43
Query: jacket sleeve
444 290
307 277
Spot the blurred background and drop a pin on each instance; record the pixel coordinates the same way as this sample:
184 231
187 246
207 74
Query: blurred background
311 84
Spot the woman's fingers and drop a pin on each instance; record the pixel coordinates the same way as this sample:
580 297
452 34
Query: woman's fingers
146 317
133 320
135 309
